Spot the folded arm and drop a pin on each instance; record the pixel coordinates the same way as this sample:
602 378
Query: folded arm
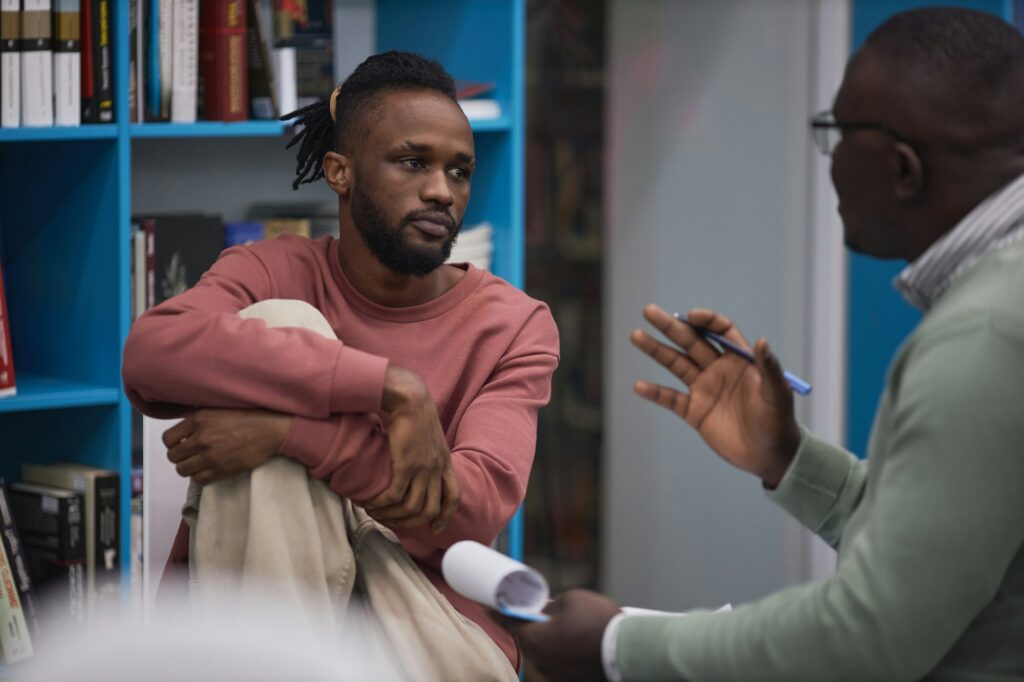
194 350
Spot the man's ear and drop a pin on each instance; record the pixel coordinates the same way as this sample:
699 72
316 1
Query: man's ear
909 171
338 172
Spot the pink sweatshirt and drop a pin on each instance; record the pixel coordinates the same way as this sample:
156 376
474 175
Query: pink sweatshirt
484 348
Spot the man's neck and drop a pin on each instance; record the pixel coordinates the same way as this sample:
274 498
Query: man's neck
382 285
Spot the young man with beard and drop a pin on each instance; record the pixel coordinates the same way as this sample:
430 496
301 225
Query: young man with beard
424 410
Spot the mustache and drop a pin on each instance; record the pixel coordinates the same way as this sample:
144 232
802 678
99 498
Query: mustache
436 216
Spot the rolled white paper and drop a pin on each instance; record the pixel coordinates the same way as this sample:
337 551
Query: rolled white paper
489 577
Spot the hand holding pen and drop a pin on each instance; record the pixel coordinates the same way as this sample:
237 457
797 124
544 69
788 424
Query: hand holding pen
738 398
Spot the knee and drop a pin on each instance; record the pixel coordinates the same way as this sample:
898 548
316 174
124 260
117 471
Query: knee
278 312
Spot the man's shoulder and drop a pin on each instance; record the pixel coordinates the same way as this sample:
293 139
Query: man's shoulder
986 299
497 298
289 251
498 292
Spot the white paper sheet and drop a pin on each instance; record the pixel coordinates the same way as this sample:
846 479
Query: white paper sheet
489 577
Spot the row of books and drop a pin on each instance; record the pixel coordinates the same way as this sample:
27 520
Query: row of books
59 555
170 252
56 63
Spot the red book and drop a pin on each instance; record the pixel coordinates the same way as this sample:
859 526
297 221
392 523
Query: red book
223 60
90 107
6 361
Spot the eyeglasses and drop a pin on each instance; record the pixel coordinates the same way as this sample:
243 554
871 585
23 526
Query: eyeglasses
827 133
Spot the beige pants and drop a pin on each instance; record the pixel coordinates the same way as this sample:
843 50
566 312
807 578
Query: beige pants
320 554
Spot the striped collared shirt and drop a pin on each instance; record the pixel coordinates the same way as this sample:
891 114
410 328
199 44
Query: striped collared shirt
993 224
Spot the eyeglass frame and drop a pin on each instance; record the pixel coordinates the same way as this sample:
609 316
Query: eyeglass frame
818 122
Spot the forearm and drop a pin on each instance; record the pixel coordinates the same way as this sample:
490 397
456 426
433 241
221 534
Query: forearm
350 452
196 351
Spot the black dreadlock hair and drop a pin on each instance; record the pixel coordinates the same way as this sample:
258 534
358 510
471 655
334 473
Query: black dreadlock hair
388 71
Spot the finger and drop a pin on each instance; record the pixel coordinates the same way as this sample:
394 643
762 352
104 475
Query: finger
683 335
409 506
719 324
672 359
774 387
183 450
178 432
191 466
431 506
394 493
451 498
669 398
206 476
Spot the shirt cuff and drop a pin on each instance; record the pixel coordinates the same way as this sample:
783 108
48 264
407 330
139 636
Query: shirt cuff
358 383
608 645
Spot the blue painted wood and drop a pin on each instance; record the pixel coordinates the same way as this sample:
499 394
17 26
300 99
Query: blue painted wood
105 131
46 393
122 430
208 129
879 319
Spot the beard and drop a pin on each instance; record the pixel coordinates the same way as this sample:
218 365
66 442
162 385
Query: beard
390 246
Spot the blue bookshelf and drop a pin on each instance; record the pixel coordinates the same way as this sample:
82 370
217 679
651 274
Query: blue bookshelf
65 207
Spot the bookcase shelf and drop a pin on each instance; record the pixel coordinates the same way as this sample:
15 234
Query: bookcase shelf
67 196
101 131
208 129
46 393
491 125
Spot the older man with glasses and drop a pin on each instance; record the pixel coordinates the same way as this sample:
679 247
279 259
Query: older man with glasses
927 146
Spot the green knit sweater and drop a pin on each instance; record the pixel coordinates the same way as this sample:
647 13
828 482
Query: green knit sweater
930 580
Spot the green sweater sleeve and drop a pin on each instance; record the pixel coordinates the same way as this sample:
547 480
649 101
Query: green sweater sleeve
822 487
935 531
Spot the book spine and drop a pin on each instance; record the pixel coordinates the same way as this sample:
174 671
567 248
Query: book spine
165 24
223 60
10 64
67 63
12 543
263 98
149 227
102 67
15 641
36 64
185 61
139 50
133 61
152 71
86 71
7 383
106 561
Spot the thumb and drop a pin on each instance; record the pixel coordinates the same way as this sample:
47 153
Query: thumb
773 383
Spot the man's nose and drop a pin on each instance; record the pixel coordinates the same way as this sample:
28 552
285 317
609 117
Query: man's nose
437 190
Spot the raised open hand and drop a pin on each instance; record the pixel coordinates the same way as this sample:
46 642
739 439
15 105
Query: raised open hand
743 411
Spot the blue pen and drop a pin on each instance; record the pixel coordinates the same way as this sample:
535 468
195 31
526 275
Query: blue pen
795 382
531 616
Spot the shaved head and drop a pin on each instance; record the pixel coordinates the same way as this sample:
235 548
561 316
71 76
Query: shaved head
941 91
955 75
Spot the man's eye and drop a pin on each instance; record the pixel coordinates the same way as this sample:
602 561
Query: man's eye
459 173
413 163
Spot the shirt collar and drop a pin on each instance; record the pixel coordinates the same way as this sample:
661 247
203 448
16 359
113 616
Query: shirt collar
992 224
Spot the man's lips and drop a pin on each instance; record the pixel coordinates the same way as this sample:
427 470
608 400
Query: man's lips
433 226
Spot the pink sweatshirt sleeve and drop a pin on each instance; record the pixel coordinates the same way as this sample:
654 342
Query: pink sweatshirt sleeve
194 350
491 456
